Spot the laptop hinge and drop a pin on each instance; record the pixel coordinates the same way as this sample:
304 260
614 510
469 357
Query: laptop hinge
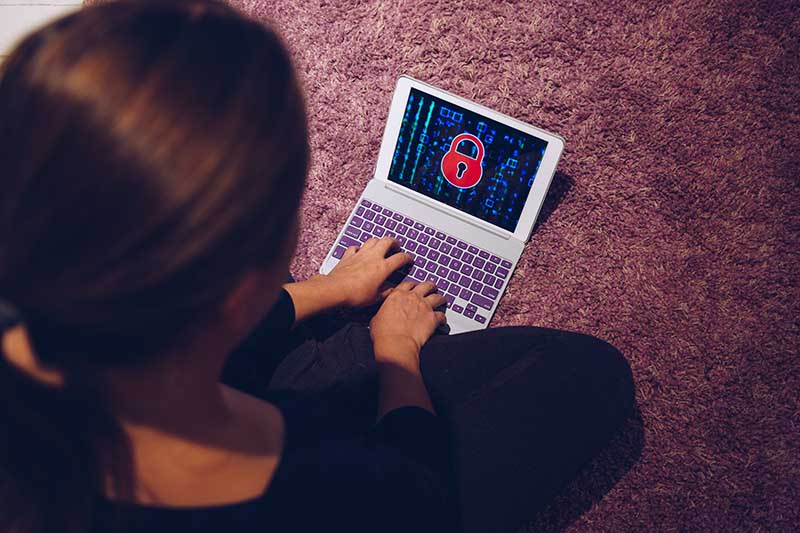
435 205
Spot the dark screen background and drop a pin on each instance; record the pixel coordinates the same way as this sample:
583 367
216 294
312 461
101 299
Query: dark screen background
509 166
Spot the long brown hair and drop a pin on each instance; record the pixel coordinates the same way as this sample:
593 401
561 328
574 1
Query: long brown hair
151 152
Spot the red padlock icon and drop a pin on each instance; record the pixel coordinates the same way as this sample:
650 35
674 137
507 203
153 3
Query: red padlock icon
461 170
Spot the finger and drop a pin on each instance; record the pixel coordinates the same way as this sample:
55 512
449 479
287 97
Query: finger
424 288
398 261
384 290
406 285
384 293
385 244
440 317
350 252
369 243
435 300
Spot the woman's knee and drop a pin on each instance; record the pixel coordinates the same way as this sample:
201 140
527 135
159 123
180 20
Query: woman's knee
605 375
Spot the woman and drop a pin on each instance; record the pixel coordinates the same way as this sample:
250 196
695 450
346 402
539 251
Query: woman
153 158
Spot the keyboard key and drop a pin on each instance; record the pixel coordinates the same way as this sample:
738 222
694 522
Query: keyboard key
498 284
410 246
494 259
442 284
445 248
469 313
420 261
423 238
451 240
412 233
466 294
430 231
369 215
471 307
490 280
401 240
490 268
357 222
339 252
456 264
360 211
368 226
387 212
408 222
366 203
471 249
376 208
432 278
380 220
502 273
454 276
444 260
430 266
422 250
442 271
481 301
401 229
457 308
348 241
378 231
434 243
479 262
391 234
476 286
462 245
456 253
454 289
468 258
391 224
352 232
418 226
465 281
450 298
440 235
364 236
433 255
480 319
489 292
477 274
398 217
483 254
466 270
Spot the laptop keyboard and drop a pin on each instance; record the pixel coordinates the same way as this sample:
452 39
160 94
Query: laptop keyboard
469 278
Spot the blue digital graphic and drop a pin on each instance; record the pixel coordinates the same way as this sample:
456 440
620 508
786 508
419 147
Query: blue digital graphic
510 163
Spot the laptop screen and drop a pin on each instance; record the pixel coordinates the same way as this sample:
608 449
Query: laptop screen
488 173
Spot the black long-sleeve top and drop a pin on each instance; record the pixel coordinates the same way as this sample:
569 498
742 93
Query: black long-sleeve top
393 479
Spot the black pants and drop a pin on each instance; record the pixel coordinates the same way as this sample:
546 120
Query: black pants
527 407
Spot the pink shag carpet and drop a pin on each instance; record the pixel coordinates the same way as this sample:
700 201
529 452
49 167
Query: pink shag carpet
671 229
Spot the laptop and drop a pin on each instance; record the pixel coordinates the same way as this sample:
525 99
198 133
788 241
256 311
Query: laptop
459 186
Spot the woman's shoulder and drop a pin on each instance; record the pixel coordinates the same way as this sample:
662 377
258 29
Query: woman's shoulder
342 484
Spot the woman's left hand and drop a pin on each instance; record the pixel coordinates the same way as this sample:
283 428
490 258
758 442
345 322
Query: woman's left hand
362 272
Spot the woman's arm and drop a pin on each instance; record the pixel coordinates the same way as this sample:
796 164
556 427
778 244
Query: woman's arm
356 281
314 296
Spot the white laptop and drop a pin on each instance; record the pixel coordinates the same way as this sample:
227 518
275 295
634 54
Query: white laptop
459 186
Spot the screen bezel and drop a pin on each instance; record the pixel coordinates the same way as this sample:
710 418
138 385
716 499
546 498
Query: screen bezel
541 182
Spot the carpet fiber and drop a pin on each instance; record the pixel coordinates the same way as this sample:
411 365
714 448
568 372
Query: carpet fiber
671 229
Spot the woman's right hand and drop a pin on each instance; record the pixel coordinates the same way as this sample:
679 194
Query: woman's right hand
405 322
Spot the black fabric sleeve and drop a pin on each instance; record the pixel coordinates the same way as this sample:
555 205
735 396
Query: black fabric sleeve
251 365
